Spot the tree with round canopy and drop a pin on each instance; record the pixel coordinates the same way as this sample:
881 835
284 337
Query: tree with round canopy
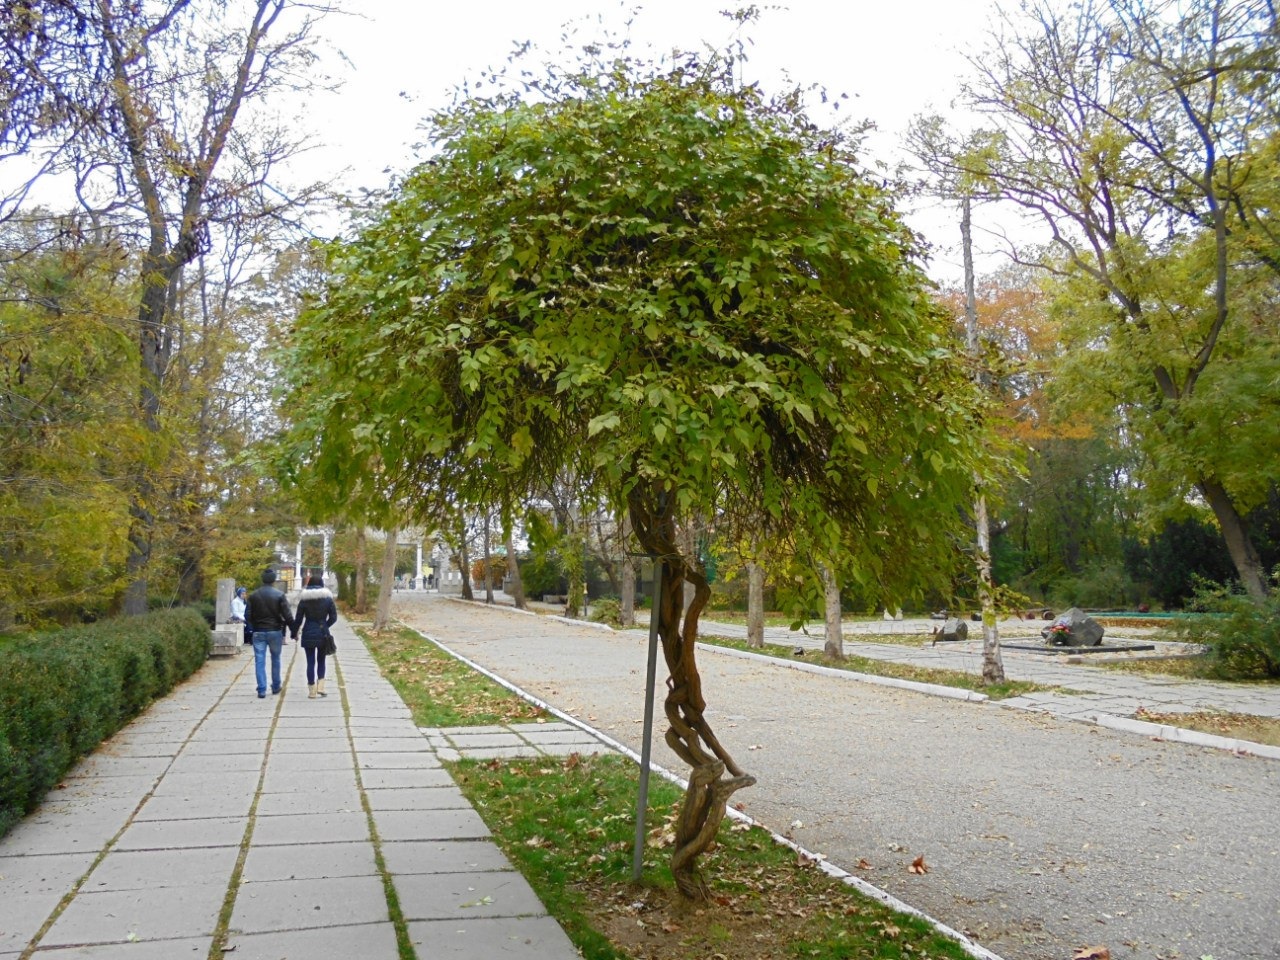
687 295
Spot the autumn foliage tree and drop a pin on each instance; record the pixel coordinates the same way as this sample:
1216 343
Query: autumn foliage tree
136 109
1144 136
683 291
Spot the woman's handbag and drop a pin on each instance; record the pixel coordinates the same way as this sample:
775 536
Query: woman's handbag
328 645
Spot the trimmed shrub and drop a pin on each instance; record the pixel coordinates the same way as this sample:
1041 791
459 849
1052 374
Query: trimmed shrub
63 692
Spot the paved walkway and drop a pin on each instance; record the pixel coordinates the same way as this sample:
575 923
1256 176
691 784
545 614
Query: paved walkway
1042 836
1094 694
292 817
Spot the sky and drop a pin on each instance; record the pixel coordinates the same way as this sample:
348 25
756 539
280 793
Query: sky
404 57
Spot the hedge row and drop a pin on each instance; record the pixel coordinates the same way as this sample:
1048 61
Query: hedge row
62 693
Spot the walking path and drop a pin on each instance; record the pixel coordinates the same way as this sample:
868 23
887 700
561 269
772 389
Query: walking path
1084 692
1042 836
293 818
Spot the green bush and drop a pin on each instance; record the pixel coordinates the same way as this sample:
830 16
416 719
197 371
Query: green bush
606 610
64 692
1243 636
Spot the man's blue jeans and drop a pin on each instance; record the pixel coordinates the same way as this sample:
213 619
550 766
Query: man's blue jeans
262 640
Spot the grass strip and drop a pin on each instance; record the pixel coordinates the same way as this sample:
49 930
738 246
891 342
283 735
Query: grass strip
439 690
888 668
567 824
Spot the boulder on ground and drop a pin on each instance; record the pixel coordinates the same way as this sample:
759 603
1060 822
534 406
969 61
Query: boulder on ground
1074 628
954 629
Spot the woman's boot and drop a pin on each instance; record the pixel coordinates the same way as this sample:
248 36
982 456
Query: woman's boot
311 691
320 687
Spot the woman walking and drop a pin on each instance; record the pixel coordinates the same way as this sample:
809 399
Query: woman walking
316 614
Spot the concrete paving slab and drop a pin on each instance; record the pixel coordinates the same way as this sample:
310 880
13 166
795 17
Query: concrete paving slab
160 869
103 765
271 805
22 876
526 938
217 763
315 781
305 904
305 745
429 825
24 915
498 753
539 737
234 743
405 779
182 834
45 834
310 861
428 798
369 941
413 744
131 915
443 856
308 729
303 763
196 948
469 741
204 784
386 760
79 788
444 896
311 828
369 727
145 747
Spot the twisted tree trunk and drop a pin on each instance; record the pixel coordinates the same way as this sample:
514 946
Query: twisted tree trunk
689 735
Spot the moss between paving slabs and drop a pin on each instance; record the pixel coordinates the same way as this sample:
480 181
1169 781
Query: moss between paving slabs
568 824
883 668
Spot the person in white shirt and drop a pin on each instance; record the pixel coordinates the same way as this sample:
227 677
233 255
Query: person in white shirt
238 610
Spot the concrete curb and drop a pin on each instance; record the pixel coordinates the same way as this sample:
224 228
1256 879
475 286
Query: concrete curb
1161 731
972 948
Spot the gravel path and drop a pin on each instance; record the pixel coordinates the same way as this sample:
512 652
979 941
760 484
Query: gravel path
1042 836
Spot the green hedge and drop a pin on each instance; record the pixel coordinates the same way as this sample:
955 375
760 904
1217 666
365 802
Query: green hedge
62 693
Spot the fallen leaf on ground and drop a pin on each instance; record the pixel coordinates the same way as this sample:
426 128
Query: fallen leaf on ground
1092 953
918 866
864 864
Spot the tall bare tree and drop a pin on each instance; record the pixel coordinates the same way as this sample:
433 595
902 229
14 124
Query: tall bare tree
137 108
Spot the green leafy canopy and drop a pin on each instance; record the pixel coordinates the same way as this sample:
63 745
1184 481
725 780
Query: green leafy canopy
659 280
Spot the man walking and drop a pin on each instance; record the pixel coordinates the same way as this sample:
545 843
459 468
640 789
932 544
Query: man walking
268 611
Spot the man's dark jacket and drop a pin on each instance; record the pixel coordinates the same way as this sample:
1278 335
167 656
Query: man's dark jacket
268 610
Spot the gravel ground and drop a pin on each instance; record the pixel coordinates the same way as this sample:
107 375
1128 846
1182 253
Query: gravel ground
1041 836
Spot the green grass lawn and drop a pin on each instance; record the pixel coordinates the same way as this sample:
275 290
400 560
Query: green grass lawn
882 668
568 825
441 691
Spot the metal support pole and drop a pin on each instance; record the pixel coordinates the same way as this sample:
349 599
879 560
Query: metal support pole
646 747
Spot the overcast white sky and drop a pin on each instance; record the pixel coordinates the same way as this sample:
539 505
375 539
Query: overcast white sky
893 59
